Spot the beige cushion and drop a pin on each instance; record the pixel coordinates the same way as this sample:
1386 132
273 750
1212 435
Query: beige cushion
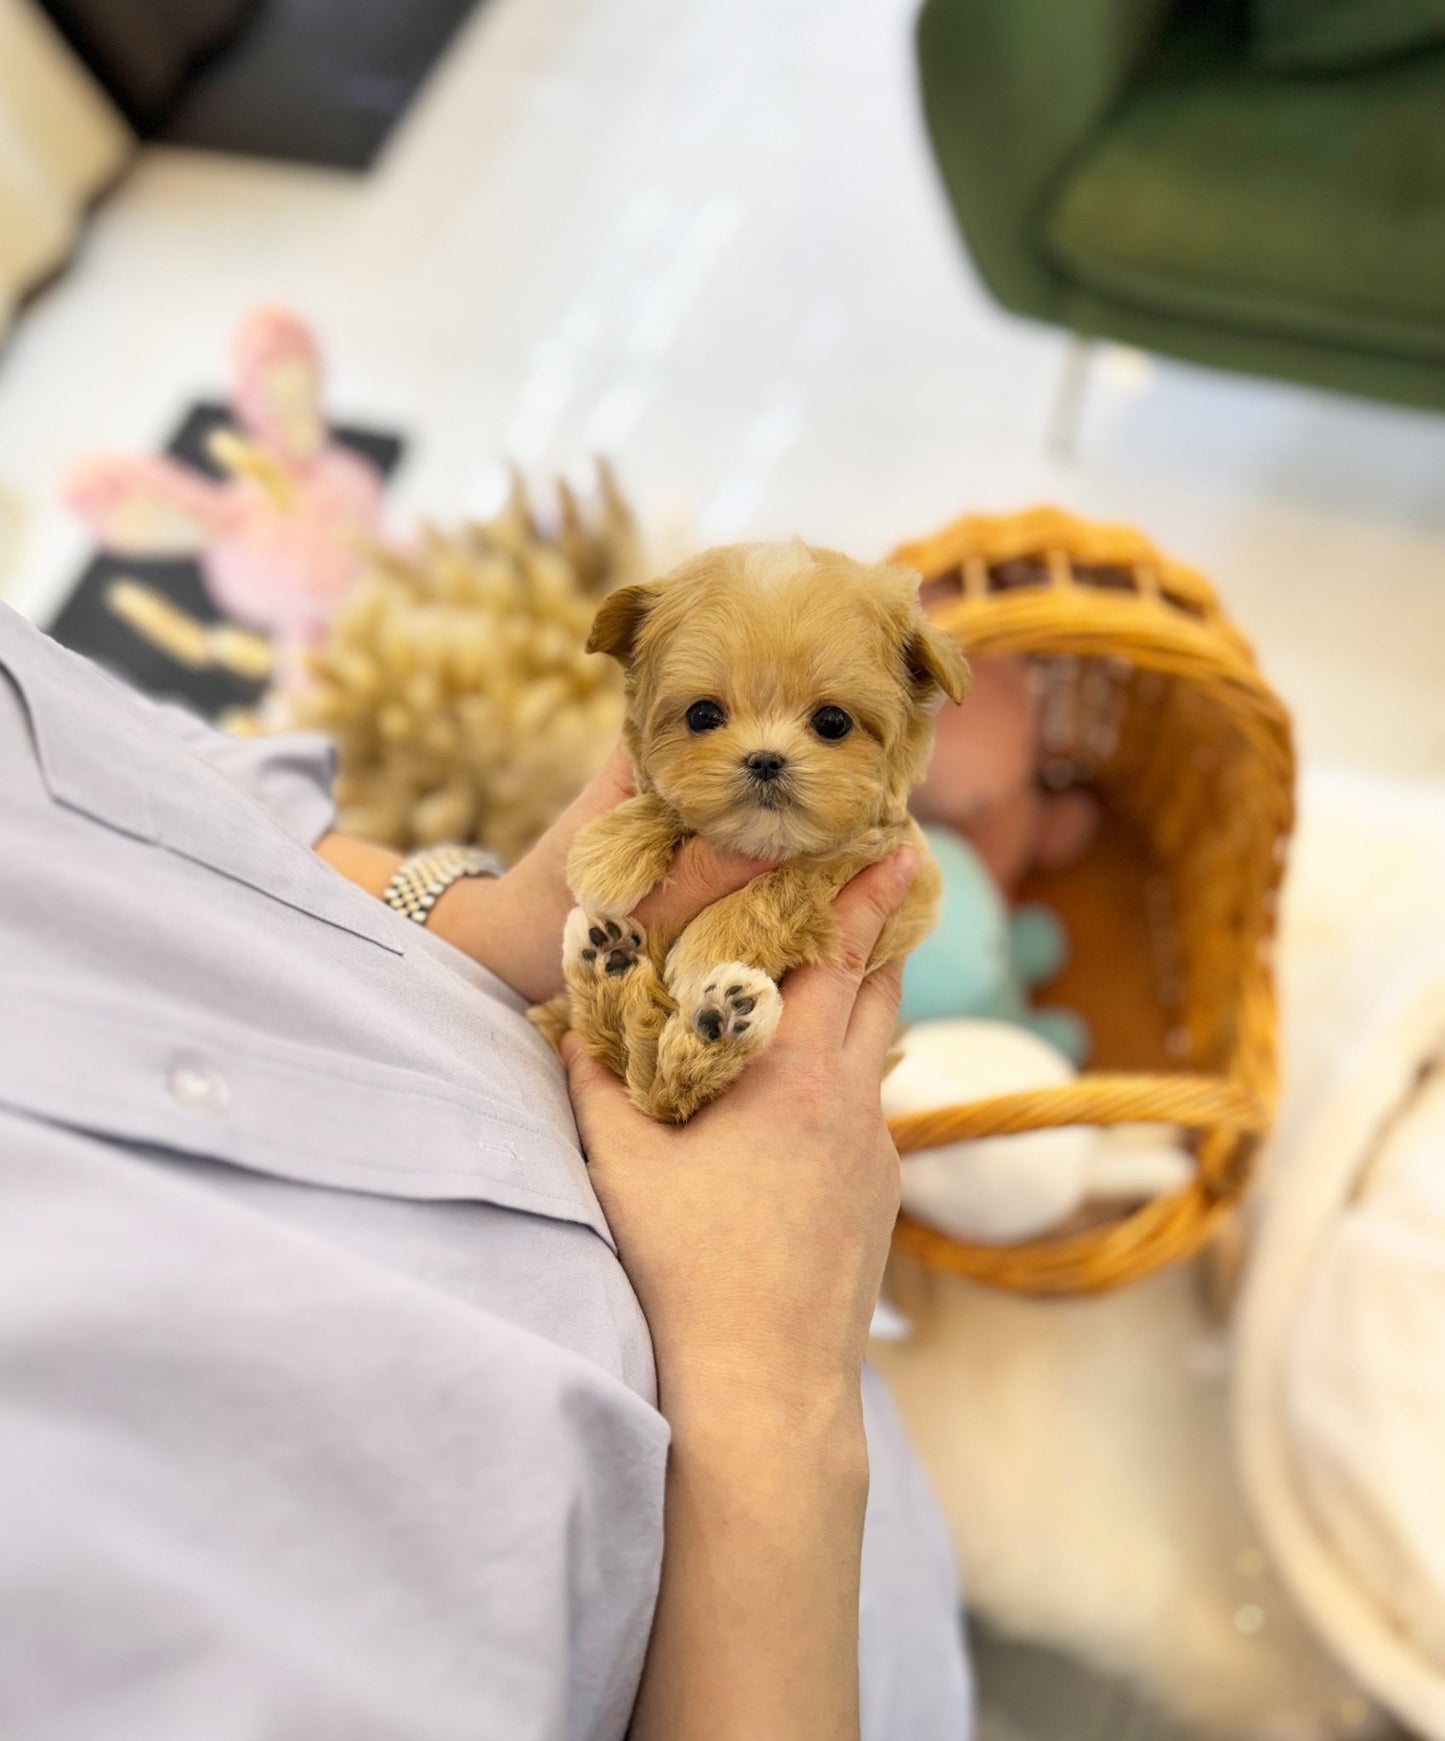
60 142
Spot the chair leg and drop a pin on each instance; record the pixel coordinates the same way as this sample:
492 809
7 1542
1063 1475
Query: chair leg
1069 402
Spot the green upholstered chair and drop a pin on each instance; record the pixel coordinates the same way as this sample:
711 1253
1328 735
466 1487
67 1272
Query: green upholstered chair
1132 170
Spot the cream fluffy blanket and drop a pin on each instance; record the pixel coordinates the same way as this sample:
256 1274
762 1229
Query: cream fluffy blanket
1083 1450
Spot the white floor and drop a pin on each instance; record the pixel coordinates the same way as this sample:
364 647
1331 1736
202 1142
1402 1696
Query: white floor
709 240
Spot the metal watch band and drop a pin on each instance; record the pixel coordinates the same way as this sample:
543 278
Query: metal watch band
423 876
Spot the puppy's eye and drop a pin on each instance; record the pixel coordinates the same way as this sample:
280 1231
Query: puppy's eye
832 723
704 716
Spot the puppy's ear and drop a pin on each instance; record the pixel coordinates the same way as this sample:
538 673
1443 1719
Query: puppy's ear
619 617
936 661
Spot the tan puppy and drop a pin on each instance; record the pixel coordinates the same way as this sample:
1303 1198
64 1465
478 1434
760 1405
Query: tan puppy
780 703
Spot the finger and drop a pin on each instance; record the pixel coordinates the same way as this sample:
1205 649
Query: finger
546 860
600 1105
818 1001
529 906
700 874
613 781
874 1022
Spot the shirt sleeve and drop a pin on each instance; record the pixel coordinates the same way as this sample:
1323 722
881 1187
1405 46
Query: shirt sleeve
289 774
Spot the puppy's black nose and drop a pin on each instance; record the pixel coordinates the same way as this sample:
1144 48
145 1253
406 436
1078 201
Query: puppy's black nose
765 764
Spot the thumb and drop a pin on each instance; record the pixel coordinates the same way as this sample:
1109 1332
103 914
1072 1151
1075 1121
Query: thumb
699 875
819 999
599 1098
609 786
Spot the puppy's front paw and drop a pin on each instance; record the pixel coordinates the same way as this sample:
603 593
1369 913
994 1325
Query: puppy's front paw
611 867
597 948
737 1004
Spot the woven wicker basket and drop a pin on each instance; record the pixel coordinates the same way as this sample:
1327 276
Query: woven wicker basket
1153 701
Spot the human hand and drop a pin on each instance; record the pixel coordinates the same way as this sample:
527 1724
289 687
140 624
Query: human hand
513 925
755 1235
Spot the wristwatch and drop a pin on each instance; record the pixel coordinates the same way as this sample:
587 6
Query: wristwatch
423 877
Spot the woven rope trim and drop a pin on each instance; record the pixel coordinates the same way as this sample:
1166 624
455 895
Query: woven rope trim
1194 1102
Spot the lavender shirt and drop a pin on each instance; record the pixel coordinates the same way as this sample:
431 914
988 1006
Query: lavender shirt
326 1409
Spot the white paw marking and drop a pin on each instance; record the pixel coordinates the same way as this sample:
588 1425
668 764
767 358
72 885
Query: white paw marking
607 948
737 1003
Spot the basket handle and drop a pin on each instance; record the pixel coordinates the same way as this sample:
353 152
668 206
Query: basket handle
1197 1102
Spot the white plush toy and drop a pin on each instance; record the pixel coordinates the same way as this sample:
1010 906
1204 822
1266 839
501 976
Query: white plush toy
1005 1189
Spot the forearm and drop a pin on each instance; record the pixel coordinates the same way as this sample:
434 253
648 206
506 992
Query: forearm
511 924
369 866
756 1632
471 914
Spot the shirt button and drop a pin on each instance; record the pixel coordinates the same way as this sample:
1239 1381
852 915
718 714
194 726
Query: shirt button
197 1087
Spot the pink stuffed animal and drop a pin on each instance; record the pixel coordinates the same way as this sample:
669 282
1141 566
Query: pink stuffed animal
983 779
282 538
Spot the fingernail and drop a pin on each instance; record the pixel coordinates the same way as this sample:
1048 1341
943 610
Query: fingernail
905 864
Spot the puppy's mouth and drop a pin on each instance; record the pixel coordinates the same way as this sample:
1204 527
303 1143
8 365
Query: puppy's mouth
772 796
767 818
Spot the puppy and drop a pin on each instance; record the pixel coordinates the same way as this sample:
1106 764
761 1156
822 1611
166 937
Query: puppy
780 702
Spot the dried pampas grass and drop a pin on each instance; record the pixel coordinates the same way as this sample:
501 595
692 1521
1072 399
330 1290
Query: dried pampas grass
454 683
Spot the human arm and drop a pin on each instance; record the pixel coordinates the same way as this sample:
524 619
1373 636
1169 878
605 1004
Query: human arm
755 1237
513 924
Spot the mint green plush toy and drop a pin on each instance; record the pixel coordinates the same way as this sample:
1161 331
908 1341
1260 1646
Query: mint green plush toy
983 960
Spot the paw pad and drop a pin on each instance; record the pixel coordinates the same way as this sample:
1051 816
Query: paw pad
729 1006
604 945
